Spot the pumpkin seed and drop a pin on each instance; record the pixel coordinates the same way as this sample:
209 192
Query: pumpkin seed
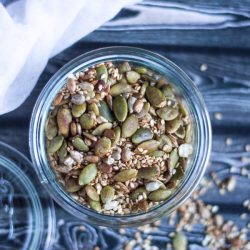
95 205
94 108
101 128
130 126
117 131
162 82
168 92
79 144
182 109
102 146
148 146
157 153
51 128
55 144
88 174
135 194
62 152
141 70
148 173
143 88
120 88
185 150
165 142
141 135
91 192
155 97
172 126
126 175
180 132
159 195
72 186
107 194
87 121
102 73
105 111
173 159
120 108
167 113
124 67
132 77
64 119
180 241
78 110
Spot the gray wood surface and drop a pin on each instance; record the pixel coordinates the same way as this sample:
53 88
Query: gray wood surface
215 33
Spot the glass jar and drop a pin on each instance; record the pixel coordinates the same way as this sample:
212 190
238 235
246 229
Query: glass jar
183 86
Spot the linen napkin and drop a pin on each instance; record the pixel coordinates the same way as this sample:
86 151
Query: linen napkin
32 31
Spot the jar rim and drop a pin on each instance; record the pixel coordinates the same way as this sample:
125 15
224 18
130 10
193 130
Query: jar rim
39 115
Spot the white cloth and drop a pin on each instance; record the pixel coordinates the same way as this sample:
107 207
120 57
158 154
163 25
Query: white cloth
32 31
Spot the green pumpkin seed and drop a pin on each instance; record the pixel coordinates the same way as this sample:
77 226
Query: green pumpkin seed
101 128
105 111
141 135
120 108
141 70
124 67
87 121
132 77
51 128
173 159
64 118
117 131
165 143
188 136
172 126
180 241
94 108
78 110
72 186
130 126
107 194
135 194
157 153
92 194
179 174
95 205
149 146
126 175
102 146
159 195
88 174
62 152
148 173
167 113
79 144
143 88
168 92
55 144
182 109
120 88
155 97
102 73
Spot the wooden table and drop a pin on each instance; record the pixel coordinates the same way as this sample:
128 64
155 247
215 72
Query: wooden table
210 40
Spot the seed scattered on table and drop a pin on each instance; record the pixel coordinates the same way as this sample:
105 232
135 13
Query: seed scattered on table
118 138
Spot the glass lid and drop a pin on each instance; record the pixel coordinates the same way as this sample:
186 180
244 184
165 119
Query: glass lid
27 217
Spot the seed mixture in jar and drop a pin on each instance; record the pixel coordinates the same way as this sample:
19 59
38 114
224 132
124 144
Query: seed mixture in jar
118 138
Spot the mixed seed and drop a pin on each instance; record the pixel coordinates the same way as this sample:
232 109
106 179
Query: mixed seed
118 138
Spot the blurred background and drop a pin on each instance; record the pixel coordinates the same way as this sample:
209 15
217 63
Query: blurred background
210 41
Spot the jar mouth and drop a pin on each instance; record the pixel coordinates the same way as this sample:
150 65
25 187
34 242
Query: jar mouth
191 96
